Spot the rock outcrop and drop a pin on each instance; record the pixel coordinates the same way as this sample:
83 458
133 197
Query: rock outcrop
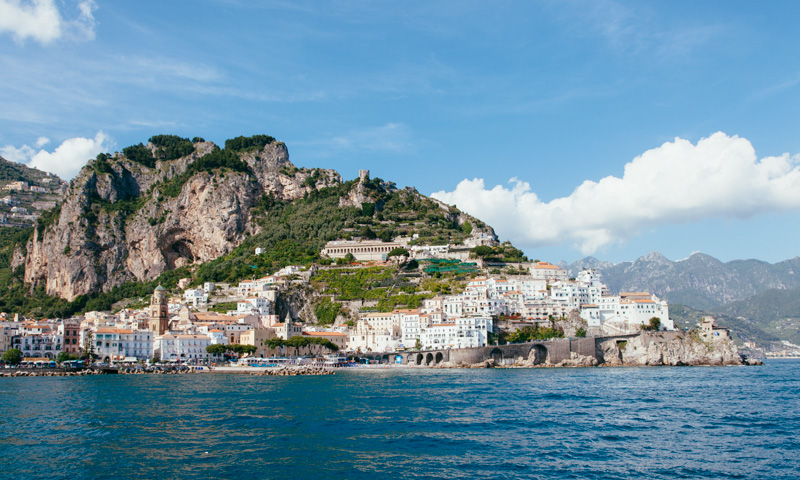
117 224
668 348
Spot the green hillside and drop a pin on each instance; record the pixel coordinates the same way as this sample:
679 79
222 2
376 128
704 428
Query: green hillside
290 232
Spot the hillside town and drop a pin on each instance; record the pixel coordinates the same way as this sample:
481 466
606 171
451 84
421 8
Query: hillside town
180 327
22 202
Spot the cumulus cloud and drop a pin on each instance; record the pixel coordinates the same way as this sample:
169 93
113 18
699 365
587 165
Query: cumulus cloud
42 21
677 182
66 160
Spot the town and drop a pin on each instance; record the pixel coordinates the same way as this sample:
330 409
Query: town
181 327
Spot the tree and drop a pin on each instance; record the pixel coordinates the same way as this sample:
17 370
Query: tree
88 349
482 251
653 326
580 332
385 235
398 252
349 258
13 356
297 342
216 349
367 233
64 357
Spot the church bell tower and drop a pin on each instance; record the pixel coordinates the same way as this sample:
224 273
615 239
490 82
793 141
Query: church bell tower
159 311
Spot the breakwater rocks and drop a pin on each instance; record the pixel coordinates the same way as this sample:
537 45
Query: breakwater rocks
158 370
53 373
294 371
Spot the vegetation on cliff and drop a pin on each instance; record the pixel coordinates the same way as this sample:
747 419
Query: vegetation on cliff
291 232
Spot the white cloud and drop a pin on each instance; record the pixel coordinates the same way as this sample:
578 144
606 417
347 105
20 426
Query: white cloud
66 160
22 154
42 21
83 26
42 141
38 19
677 182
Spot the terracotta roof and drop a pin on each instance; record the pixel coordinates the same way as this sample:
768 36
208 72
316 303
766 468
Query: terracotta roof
113 330
323 334
545 265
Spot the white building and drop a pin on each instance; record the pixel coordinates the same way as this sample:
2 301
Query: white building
38 345
626 312
196 297
376 332
254 305
182 348
548 271
117 344
462 333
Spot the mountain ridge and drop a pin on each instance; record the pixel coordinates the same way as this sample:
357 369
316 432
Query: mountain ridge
178 203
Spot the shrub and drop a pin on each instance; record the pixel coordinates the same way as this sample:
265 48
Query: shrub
326 311
171 147
243 144
140 154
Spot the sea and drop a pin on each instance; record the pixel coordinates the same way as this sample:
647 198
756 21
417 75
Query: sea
548 423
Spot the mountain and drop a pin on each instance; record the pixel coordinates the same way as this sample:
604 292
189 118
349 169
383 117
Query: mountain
26 193
700 281
758 301
775 312
188 206
13 172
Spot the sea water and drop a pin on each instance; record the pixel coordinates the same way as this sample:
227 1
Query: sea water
558 423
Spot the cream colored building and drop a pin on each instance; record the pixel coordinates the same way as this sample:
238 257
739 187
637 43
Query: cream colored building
258 338
370 250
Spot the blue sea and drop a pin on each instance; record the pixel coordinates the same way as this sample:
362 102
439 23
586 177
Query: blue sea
559 423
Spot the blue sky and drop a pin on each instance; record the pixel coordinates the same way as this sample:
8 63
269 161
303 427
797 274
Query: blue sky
454 98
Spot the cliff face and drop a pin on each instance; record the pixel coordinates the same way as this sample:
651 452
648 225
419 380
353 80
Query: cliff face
668 348
117 224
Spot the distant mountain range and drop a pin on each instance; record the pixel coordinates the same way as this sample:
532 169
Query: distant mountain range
700 281
760 301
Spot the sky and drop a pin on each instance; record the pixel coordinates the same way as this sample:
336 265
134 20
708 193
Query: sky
574 128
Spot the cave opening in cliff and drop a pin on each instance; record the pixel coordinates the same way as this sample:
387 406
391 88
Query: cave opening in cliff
178 253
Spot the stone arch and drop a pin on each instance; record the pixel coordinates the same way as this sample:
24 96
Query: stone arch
411 359
496 355
420 357
385 359
429 359
539 355
438 359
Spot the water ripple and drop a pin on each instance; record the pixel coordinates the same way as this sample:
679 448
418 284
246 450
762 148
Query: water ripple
604 423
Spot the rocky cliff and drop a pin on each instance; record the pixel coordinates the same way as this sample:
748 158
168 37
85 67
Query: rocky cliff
123 220
668 348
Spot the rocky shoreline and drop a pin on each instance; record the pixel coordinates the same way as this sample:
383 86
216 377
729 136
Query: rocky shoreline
667 348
